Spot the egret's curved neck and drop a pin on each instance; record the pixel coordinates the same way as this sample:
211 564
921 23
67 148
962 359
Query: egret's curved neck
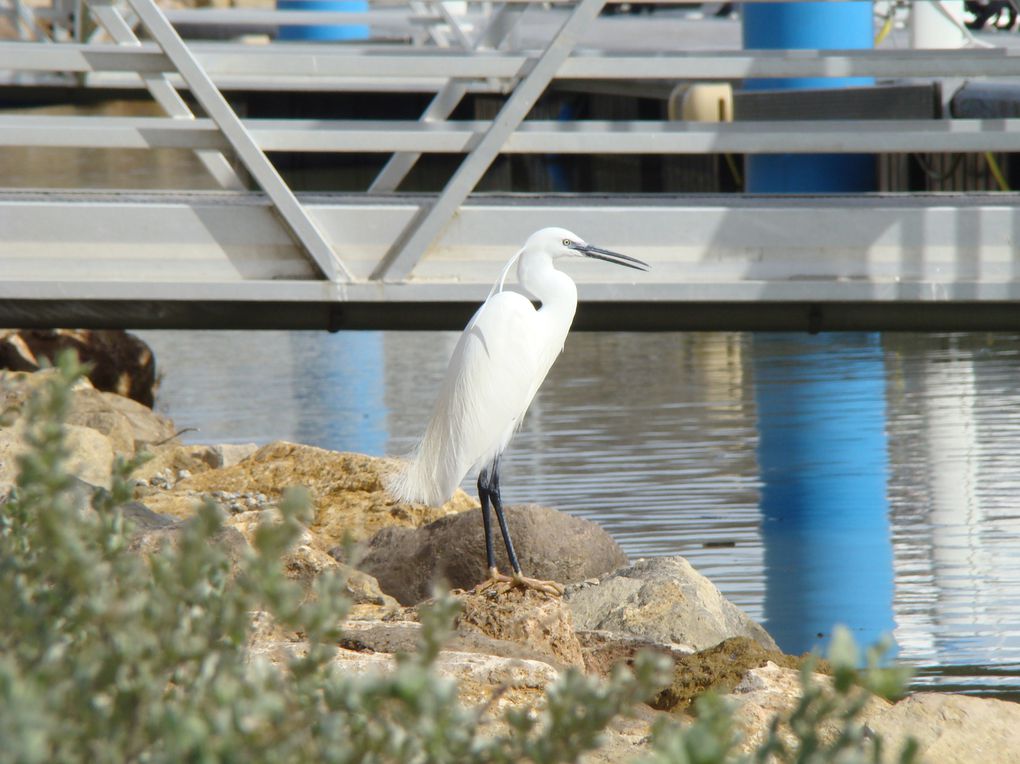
553 288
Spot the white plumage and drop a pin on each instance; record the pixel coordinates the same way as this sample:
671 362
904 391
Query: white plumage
499 363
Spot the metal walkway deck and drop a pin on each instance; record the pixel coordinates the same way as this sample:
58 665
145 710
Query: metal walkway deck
268 258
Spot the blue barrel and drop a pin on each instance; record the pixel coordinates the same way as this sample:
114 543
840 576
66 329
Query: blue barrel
841 25
823 463
324 32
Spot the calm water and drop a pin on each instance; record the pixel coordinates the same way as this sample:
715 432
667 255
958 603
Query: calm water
868 479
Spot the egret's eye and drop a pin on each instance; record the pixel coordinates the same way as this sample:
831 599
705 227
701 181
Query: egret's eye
566 242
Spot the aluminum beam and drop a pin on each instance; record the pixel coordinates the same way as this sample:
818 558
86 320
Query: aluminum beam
420 234
222 60
531 137
216 106
936 248
500 25
165 94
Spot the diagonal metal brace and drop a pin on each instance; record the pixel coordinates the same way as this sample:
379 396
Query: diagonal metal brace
501 25
261 169
164 93
430 221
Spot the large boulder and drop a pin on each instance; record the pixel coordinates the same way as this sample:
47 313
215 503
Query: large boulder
550 545
90 454
99 426
957 728
663 599
347 490
131 427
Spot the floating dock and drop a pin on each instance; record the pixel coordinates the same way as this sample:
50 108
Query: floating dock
255 254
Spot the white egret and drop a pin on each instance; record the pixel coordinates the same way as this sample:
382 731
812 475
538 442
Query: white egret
496 368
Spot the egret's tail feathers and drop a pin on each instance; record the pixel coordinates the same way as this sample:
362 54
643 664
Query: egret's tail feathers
415 482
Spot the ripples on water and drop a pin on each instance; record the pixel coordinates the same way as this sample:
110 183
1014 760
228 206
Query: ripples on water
656 437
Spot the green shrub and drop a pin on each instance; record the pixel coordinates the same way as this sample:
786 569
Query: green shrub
108 655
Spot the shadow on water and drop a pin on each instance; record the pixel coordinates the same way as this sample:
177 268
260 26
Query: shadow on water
729 449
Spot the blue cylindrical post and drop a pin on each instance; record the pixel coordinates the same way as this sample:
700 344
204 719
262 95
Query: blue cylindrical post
324 32
823 463
829 25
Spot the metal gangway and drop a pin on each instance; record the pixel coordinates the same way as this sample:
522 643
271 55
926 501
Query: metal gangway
255 255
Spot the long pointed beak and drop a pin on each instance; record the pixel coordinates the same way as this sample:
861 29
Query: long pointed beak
611 257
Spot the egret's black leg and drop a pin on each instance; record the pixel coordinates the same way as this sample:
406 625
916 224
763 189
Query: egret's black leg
488 495
497 504
484 496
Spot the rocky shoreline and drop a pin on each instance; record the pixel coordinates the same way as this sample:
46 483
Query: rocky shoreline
508 646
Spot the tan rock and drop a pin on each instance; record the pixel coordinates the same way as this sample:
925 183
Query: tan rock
112 424
625 739
720 668
770 691
171 459
119 425
90 453
952 728
482 680
149 541
663 599
604 650
147 428
347 490
304 563
542 623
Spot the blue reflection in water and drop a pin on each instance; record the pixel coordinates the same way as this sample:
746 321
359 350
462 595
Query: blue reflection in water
823 464
343 390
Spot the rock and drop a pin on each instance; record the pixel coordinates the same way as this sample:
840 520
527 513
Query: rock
482 680
91 453
170 460
142 427
957 728
99 425
346 489
145 519
120 362
625 739
149 540
720 668
511 681
540 622
771 691
12 445
404 636
663 599
604 650
550 544
224 454
305 563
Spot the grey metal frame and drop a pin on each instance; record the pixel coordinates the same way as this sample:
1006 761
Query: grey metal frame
269 245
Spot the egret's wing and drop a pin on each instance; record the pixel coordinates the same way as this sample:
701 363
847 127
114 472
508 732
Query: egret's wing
488 386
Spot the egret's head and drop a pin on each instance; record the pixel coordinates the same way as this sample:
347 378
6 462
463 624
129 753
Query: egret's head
559 242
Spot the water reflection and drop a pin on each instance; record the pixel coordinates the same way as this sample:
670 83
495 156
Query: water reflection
954 430
656 437
822 459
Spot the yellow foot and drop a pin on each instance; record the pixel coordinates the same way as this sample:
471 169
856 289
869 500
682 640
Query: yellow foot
501 584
